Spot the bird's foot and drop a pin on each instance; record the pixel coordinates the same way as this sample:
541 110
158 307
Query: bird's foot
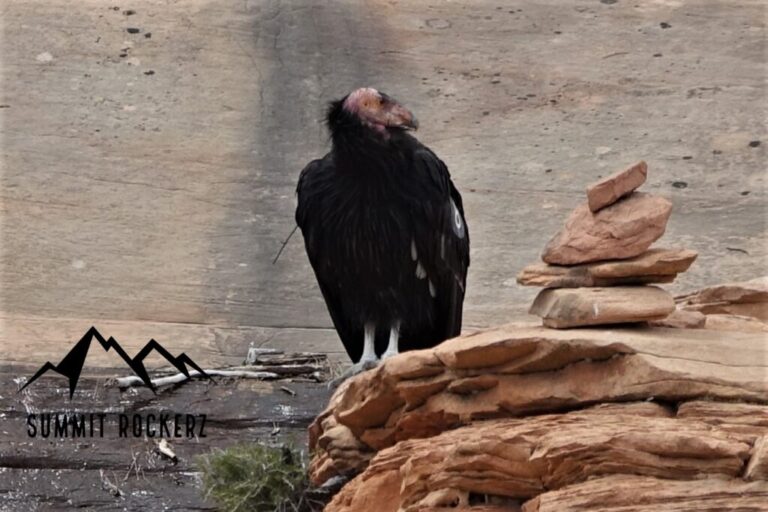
388 354
353 370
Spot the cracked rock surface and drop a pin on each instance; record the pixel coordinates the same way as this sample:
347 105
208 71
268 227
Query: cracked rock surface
528 418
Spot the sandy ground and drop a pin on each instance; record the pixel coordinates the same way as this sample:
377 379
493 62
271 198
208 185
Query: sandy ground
150 149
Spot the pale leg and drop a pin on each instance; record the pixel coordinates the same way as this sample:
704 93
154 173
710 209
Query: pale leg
367 361
394 338
369 338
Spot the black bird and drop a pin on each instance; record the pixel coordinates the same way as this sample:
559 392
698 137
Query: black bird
384 229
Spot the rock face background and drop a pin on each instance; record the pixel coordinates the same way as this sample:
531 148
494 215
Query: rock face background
535 419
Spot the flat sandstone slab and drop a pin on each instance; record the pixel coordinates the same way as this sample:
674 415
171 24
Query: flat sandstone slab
745 292
575 307
747 298
623 230
609 190
653 266
726 322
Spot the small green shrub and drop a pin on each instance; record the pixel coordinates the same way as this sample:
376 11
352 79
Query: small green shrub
256 478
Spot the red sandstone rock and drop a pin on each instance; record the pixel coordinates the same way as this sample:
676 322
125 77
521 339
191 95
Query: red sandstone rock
479 423
575 307
748 298
653 266
682 319
623 230
757 468
516 459
521 369
609 190
629 493
720 322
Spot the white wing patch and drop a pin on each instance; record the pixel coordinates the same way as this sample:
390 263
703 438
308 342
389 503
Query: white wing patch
420 272
458 223
414 254
432 290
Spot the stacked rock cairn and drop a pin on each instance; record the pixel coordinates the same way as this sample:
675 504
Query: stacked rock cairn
599 269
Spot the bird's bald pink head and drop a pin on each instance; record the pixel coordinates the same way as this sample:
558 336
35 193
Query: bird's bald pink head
379 111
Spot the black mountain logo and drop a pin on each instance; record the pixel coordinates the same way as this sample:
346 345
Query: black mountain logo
72 364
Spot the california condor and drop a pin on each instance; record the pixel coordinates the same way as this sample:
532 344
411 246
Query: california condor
384 229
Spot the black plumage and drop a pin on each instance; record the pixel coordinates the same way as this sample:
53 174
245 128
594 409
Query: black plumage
384 228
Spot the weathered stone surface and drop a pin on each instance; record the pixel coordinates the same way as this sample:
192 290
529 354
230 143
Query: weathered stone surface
653 266
694 319
752 291
748 298
575 307
651 262
725 307
757 468
682 319
746 421
338 451
519 458
630 493
609 190
623 230
757 310
720 322
521 369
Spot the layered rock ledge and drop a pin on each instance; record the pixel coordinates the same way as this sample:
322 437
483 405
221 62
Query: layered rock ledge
528 418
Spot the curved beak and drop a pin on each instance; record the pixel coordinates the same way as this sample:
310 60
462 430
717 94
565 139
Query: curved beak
413 124
397 116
